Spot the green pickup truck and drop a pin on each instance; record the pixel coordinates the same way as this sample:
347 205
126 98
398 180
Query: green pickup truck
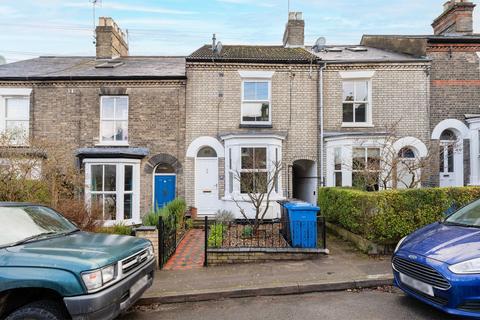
51 270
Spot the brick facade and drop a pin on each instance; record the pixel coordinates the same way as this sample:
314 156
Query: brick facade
214 108
399 94
399 103
68 113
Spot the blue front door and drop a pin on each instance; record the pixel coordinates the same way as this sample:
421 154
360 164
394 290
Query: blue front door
164 190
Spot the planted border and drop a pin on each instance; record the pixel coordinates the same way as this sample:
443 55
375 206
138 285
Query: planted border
385 217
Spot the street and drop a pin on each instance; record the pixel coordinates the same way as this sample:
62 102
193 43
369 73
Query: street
367 304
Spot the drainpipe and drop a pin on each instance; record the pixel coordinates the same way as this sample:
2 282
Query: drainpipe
321 173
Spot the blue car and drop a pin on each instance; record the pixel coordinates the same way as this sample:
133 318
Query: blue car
440 263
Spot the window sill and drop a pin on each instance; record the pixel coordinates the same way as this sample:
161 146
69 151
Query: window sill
260 126
115 144
357 125
244 198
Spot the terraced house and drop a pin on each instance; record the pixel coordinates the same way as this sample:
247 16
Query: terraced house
250 107
375 117
454 51
122 118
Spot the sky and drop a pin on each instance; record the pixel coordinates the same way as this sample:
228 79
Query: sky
29 28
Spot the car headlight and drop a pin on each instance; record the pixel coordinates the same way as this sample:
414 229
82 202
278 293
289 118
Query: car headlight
399 244
98 278
150 251
467 267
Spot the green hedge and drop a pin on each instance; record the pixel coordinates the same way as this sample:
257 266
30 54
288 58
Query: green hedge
386 216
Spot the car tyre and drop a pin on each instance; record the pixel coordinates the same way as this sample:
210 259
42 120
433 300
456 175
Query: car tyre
40 310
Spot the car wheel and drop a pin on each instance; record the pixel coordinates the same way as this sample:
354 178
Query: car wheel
40 310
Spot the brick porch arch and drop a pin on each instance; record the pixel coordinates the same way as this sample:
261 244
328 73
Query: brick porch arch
163 158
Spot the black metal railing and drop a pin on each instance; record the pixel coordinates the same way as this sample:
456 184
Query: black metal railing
245 234
167 239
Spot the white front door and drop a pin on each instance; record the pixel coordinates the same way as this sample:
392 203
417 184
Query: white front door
451 164
206 185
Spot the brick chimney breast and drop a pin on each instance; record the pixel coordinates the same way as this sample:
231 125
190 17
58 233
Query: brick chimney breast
456 19
294 35
110 39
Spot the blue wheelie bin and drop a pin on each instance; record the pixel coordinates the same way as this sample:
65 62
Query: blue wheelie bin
303 224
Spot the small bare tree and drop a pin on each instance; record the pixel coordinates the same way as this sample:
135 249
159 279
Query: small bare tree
257 183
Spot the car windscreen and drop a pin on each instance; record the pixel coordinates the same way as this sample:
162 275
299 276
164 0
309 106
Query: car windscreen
31 222
468 215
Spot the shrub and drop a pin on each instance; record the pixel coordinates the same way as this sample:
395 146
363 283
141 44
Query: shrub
224 216
175 209
76 211
386 216
189 224
215 238
119 229
247 232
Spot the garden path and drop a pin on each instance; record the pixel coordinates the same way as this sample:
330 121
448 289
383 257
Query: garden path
190 252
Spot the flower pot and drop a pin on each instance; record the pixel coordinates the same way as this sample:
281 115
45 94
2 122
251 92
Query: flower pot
193 213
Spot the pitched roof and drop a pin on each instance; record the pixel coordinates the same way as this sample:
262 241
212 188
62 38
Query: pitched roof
80 68
252 54
363 54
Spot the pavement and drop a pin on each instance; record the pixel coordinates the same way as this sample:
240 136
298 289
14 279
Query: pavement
365 304
344 268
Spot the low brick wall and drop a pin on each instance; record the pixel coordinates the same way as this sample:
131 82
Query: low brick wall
217 257
362 244
149 233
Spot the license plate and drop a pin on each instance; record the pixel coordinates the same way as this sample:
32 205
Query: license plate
137 286
417 285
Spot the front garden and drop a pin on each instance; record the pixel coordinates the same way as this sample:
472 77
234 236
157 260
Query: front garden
385 217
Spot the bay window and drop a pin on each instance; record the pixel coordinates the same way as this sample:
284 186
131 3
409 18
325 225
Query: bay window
114 120
256 100
113 185
250 165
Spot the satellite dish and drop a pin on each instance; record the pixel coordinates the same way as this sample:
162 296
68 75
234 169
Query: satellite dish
320 44
2 60
218 47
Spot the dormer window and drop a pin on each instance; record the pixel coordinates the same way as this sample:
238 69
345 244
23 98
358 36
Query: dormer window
256 101
114 120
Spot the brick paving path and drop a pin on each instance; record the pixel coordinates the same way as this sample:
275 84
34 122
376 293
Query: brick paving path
190 252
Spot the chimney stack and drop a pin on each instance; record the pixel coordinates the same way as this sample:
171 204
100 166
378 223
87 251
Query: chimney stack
456 19
294 35
110 39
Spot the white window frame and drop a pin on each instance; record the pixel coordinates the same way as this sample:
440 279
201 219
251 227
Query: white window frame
14 93
335 170
119 188
235 144
365 158
356 76
120 142
246 102
255 170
